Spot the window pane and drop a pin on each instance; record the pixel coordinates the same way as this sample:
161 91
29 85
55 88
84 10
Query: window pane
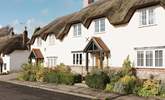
149 58
151 16
144 17
158 58
73 58
80 59
79 29
102 25
77 58
75 30
140 58
96 25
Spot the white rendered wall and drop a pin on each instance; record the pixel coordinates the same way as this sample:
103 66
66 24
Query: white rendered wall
121 40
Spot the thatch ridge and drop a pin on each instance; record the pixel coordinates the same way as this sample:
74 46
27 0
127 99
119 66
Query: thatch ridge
117 11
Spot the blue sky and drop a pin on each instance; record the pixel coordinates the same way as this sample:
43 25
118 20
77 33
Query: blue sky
34 13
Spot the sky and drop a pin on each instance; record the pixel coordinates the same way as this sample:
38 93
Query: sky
34 13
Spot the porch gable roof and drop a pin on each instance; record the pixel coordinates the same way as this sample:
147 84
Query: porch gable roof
37 53
98 43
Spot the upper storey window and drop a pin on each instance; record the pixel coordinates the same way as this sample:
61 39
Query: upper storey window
77 30
100 25
51 39
39 41
147 17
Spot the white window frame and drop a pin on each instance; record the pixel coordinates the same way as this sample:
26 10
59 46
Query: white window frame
158 58
152 58
77 58
99 26
51 40
39 41
147 16
77 30
52 61
140 58
149 58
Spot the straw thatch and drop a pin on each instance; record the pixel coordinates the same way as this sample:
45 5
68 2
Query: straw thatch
10 42
5 31
117 11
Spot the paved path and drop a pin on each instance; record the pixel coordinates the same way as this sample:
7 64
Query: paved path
10 91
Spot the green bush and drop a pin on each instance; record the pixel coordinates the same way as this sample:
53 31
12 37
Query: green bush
60 78
97 79
77 78
149 88
109 87
162 90
32 72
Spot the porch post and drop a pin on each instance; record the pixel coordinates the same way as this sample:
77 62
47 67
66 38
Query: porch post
87 62
101 59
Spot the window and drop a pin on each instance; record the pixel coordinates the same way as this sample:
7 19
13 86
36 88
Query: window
140 58
77 30
100 25
147 17
77 59
149 58
39 41
51 39
51 61
158 58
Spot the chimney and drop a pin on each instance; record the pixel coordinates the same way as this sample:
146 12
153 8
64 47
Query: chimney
25 36
86 3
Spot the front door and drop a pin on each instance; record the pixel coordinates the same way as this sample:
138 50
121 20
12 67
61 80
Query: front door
97 60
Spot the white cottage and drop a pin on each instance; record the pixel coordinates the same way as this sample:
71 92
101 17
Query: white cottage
104 33
13 50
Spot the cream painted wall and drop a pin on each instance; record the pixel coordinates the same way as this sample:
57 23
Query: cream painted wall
121 40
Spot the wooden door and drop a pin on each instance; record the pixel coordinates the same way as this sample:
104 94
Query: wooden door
97 61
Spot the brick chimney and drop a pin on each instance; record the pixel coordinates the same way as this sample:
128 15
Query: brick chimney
25 36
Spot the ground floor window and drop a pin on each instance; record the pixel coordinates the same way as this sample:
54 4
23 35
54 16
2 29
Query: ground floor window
51 61
159 58
140 58
149 58
77 59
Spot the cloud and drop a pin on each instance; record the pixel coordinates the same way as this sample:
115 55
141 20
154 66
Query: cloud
30 23
45 12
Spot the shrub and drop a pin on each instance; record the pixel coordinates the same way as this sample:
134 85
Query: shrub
109 87
77 78
162 90
149 88
32 72
125 85
97 79
60 78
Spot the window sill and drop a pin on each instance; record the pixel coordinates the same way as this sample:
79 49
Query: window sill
103 32
150 25
77 36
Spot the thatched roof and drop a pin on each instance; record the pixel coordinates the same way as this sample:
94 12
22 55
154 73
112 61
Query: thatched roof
10 43
5 31
117 11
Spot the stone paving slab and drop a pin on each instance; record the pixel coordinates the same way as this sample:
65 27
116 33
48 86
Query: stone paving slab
78 89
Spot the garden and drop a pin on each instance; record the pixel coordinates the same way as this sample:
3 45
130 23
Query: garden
122 81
